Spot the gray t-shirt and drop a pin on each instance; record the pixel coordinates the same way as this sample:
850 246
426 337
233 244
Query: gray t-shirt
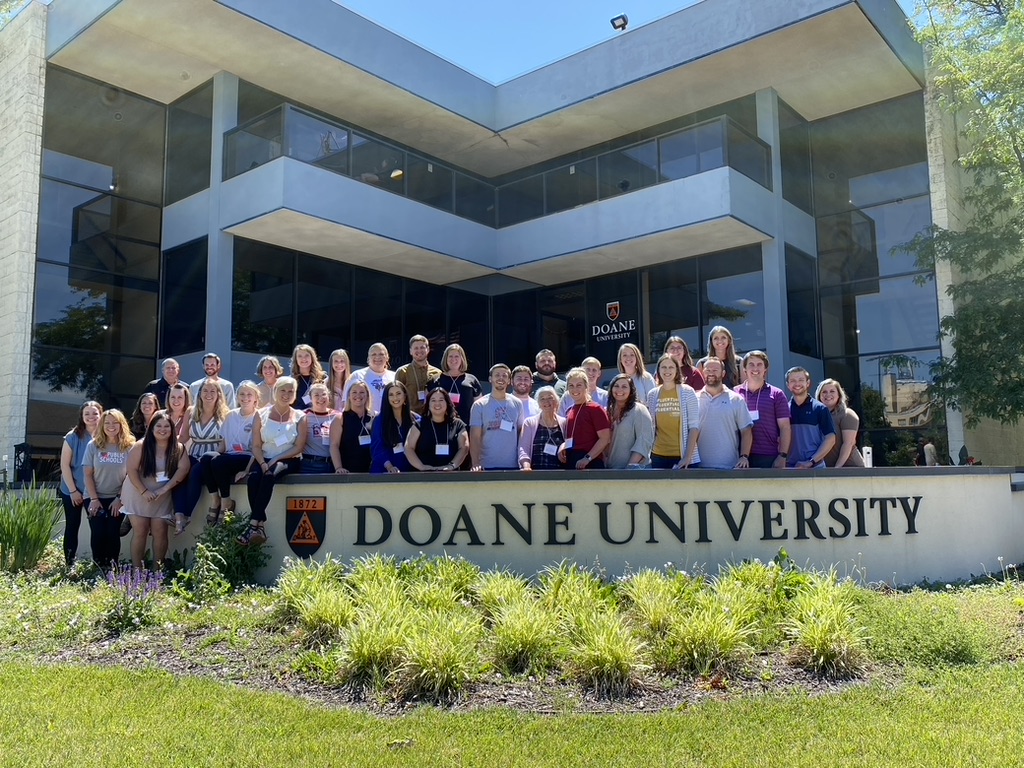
501 421
721 419
109 467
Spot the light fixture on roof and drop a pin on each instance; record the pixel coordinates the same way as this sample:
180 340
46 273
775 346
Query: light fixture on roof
619 22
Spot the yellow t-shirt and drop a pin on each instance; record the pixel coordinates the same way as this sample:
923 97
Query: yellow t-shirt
666 424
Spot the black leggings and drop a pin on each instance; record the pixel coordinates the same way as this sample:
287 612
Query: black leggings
105 538
72 522
261 486
224 468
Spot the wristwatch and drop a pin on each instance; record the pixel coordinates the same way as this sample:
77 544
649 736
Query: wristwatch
784 454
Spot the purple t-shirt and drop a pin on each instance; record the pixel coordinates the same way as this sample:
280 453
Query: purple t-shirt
770 404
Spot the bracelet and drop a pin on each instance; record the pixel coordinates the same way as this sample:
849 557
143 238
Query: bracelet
744 456
75 490
587 457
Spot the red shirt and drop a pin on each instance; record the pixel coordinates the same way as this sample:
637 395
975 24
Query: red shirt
584 422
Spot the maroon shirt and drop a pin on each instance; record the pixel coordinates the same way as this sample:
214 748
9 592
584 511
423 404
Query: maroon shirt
583 423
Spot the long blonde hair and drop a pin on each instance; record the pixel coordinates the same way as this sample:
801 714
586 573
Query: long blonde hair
126 439
220 408
316 371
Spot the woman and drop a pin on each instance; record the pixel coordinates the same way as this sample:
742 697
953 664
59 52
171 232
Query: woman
389 430
268 370
205 442
680 352
234 463
350 437
587 431
106 466
440 442
844 451
72 473
339 368
278 439
600 396
156 465
632 427
721 345
630 361
179 409
542 434
307 371
147 405
462 387
320 421
673 406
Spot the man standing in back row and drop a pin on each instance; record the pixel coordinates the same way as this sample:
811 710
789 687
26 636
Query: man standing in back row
545 375
416 374
814 432
769 410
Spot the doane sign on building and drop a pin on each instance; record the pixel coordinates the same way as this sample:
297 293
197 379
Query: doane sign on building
883 524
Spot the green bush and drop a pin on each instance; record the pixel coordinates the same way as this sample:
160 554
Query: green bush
203 582
27 520
824 630
606 656
301 578
574 593
132 599
372 648
455 573
440 657
496 590
525 639
324 614
651 601
240 563
712 638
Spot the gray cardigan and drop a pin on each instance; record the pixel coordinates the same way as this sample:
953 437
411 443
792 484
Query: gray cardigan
634 434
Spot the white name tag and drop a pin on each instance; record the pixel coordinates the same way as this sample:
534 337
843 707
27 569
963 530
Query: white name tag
455 396
422 395
754 414
507 426
325 434
282 439
161 477
307 399
399 448
441 450
364 439
551 449
567 444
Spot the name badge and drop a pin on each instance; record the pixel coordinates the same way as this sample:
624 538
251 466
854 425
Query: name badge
441 449
161 477
550 449
237 448
567 444
282 439
455 396
507 426
307 399
364 439
325 434
754 414
399 448
422 395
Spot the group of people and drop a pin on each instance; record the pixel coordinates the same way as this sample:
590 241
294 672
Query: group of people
147 473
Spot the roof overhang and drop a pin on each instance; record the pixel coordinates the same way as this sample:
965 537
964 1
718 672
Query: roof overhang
823 57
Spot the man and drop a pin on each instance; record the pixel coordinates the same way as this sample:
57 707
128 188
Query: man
171 375
522 385
212 366
416 374
494 424
769 410
375 374
931 455
725 424
600 396
545 375
814 432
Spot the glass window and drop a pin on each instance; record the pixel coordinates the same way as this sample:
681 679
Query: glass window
571 186
378 314
795 156
324 304
253 144
425 309
97 311
516 337
377 163
262 305
879 316
802 303
692 150
254 101
183 299
613 316
673 305
628 169
118 134
317 141
469 326
430 183
733 290
748 155
521 201
474 199
189 144
894 224
563 322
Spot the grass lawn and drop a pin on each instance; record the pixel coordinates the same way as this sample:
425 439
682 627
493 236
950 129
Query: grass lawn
114 717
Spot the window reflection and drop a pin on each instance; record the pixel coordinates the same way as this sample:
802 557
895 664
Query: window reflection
324 303
521 201
571 186
801 302
377 163
317 141
253 144
628 169
263 295
430 183
183 300
189 144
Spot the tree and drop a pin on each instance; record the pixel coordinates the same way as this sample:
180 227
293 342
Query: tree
976 52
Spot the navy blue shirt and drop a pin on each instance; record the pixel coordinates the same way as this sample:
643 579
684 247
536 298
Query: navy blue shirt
810 423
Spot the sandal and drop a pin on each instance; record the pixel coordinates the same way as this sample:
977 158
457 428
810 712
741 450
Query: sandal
254 534
180 523
213 515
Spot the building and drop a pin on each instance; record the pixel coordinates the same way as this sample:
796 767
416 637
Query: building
244 175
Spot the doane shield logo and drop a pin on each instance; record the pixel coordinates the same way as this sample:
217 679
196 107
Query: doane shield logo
305 523
612 310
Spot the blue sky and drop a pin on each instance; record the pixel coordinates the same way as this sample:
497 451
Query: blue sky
500 40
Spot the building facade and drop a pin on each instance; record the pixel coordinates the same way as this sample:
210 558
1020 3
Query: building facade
245 175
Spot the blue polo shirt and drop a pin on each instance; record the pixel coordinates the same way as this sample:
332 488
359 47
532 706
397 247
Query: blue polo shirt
810 423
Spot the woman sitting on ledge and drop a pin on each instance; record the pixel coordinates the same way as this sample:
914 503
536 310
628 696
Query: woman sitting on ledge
440 442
